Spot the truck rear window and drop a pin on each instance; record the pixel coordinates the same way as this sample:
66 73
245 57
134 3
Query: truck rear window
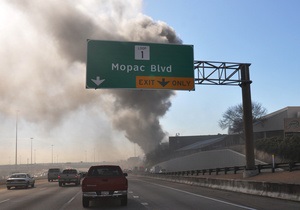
105 171
69 172
54 170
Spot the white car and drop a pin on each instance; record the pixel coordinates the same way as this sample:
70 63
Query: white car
20 180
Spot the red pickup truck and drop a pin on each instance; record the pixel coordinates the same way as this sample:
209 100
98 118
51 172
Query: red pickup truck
104 181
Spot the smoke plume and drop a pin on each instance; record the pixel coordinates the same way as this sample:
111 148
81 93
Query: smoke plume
44 65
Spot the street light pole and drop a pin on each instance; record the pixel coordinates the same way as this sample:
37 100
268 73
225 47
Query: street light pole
52 153
31 150
16 158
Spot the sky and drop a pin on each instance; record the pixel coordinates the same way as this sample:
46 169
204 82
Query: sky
44 102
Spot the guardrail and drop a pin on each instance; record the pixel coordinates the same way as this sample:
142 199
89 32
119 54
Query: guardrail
290 166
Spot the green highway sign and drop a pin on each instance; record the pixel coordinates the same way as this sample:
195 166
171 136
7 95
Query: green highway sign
139 65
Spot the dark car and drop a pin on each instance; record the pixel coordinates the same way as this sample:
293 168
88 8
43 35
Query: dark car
23 180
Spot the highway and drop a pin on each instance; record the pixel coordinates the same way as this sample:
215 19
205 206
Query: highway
144 193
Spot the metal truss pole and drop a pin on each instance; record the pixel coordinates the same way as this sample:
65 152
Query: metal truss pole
236 74
248 120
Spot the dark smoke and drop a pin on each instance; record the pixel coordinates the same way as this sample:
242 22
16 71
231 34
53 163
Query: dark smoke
59 89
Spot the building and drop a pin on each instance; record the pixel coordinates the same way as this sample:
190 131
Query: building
284 122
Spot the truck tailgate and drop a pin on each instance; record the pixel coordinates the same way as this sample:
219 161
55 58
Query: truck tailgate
104 183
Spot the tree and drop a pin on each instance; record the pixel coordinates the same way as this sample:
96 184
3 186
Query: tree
233 117
287 148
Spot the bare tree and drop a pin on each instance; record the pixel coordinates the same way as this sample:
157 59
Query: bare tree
233 117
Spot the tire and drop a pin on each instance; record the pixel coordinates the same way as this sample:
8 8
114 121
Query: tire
32 185
124 200
8 188
85 202
59 184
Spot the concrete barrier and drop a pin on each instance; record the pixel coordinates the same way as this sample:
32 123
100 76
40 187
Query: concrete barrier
268 189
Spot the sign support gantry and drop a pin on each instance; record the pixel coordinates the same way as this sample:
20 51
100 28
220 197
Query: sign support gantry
236 74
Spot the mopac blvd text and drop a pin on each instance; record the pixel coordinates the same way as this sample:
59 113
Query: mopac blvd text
136 68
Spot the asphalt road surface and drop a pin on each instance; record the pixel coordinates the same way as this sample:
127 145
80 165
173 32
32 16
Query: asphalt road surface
144 193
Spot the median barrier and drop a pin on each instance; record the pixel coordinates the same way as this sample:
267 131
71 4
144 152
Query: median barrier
263 188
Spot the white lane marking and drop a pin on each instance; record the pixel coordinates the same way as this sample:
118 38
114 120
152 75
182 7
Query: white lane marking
64 206
136 196
201 196
145 204
4 201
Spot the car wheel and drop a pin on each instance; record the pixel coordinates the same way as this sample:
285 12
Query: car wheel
85 202
32 185
124 200
8 188
60 184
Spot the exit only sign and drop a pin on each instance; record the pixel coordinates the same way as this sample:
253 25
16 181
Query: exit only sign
139 65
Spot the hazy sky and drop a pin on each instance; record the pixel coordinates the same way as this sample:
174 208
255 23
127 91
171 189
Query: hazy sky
42 57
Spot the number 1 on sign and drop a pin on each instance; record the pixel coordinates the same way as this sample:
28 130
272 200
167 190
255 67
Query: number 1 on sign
141 52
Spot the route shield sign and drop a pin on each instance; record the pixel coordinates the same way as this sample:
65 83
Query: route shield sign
137 65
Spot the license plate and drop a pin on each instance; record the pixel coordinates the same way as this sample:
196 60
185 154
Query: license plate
104 193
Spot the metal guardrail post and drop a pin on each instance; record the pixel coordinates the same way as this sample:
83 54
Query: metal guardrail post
291 165
225 170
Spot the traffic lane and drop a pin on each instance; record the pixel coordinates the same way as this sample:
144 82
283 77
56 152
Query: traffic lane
161 195
49 196
76 204
37 182
42 196
252 201
144 193
6 195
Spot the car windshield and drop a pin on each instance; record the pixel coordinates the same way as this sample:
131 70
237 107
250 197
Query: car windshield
105 171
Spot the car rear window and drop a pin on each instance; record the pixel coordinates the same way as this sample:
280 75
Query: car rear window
18 176
105 171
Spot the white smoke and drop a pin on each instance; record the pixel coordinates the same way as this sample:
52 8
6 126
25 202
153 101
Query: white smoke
43 54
